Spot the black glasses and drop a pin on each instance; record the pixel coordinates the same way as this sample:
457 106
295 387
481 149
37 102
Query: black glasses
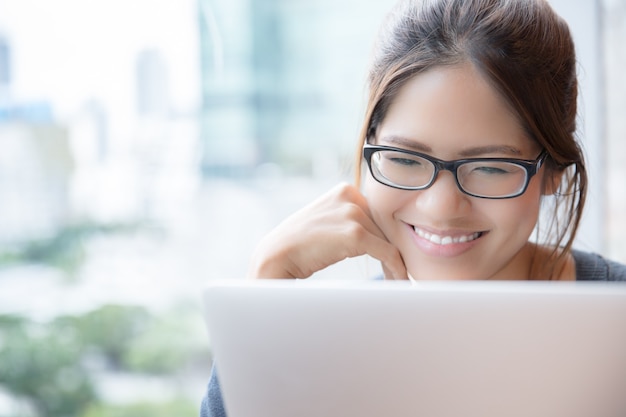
494 178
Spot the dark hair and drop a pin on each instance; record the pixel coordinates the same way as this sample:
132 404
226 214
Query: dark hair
524 49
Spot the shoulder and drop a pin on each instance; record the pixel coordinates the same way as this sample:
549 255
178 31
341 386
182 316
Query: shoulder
212 403
594 267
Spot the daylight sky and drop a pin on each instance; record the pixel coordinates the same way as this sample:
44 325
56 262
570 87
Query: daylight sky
70 51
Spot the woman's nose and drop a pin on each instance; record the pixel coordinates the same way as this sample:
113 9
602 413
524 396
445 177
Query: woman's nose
443 199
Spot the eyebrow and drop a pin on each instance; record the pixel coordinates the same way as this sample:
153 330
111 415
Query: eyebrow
465 153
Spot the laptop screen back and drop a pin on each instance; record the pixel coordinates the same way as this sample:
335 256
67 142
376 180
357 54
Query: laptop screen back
479 349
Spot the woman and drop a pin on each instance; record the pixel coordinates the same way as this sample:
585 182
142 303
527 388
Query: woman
468 132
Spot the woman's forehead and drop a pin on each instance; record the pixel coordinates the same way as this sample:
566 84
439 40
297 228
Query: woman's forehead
453 107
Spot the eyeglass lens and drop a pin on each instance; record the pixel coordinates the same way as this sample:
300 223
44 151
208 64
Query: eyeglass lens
481 178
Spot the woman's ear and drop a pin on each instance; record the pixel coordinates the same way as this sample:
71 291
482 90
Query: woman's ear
552 182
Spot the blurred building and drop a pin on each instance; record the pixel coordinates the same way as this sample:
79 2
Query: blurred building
152 83
5 70
282 81
35 164
5 67
35 170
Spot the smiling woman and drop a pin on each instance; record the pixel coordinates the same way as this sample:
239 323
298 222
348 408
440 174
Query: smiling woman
452 111
469 129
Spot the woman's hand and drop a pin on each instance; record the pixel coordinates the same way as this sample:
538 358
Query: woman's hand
336 226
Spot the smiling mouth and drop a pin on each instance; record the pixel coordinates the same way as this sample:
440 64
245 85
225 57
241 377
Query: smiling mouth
446 240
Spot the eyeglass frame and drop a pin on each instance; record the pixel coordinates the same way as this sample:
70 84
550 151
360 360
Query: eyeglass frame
531 167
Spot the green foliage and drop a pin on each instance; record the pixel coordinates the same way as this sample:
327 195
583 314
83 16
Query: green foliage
176 408
130 338
48 364
167 345
65 249
109 329
40 363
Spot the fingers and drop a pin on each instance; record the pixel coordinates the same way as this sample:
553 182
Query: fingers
390 259
336 226
377 244
363 237
357 208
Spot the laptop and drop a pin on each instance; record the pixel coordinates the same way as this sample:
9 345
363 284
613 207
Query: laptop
298 348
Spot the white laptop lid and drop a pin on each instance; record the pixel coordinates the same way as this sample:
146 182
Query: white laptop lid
445 349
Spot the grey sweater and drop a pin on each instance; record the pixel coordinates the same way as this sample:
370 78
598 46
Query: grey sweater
589 267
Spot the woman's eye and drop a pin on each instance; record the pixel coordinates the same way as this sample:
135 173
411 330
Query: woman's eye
405 161
490 170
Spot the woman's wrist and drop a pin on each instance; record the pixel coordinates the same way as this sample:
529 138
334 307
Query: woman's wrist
270 265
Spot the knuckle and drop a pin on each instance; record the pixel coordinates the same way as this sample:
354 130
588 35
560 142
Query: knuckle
344 191
355 231
352 211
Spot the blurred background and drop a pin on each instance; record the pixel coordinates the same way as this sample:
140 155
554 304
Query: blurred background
145 148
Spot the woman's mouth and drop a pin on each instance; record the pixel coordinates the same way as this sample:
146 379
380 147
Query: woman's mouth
446 240
445 244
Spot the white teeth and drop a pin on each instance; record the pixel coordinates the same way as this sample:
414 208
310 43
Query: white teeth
446 240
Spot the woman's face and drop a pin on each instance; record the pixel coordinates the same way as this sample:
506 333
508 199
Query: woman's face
453 113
